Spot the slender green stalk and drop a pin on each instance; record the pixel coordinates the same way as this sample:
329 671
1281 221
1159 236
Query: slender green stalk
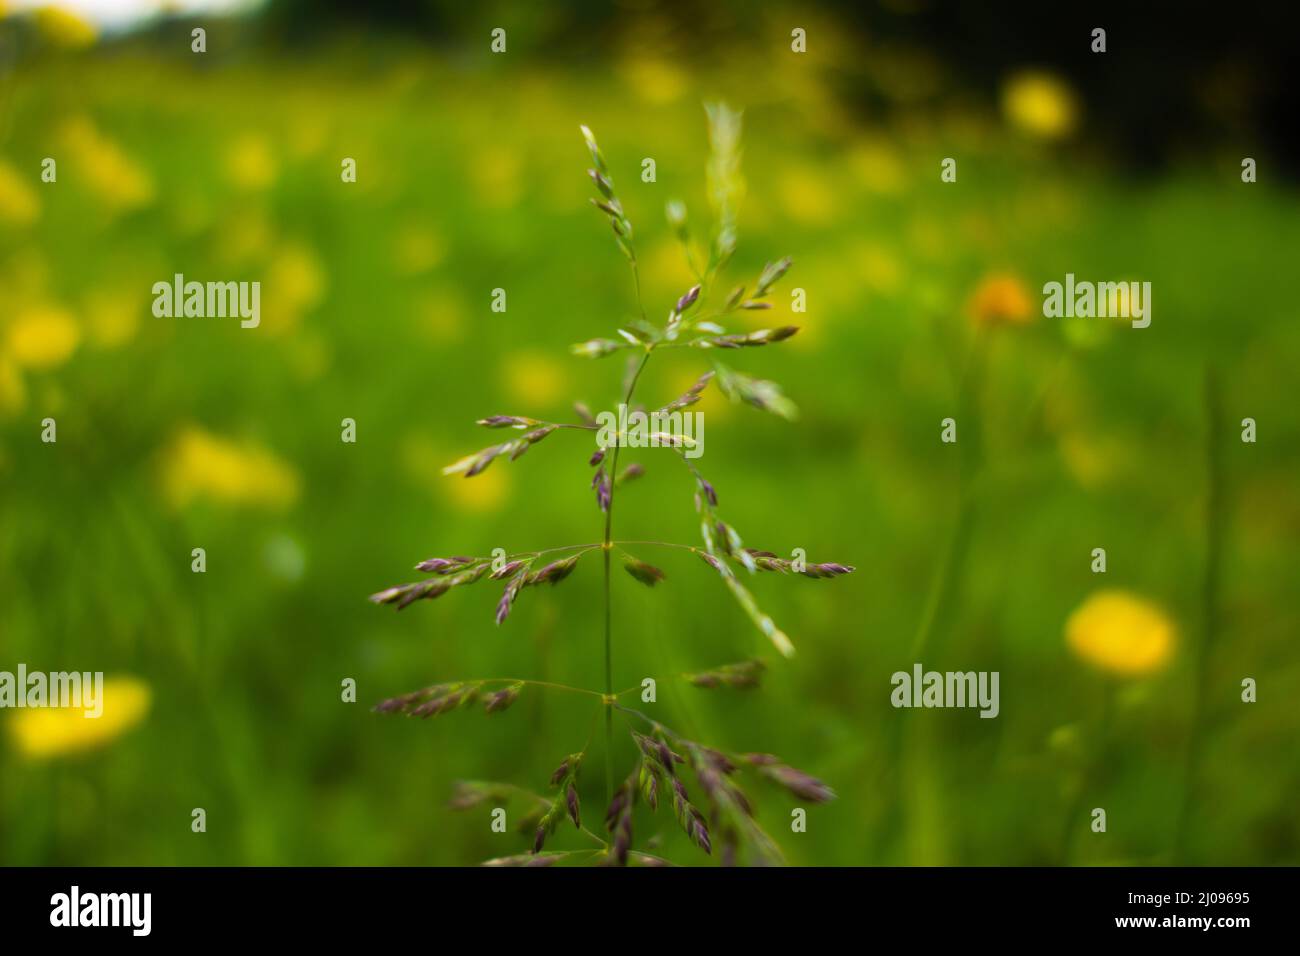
609 605
549 685
947 576
1214 531
969 463
636 279
662 544
655 724
1092 775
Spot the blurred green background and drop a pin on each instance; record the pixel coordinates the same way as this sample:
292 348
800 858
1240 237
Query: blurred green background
182 433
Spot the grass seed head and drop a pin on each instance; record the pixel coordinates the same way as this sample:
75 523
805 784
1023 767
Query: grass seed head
647 574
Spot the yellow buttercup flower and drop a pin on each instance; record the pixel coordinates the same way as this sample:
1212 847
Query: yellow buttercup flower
106 167
19 204
42 338
878 265
112 316
1001 300
421 458
202 465
44 732
532 378
295 284
1040 104
663 258
441 315
483 492
250 163
496 175
64 28
808 198
418 249
1121 633
879 167
13 391
656 81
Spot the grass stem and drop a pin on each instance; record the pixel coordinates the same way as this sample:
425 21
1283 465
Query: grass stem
607 546
1215 519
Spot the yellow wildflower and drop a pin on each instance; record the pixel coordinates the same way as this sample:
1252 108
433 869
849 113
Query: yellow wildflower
250 164
1040 104
417 249
64 28
808 198
295 285
19 204
1121 633
13 392
533 378
120 182
202 465
421 458
656 81
879 167
879 267
113 316
53 731
483 492
1001 300
496 175
440 315
43 337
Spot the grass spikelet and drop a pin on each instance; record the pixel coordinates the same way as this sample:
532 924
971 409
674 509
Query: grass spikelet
477 463
690 396
630 473
609 204
726 187
404 595
508 596
618 822
555 572
650 780
647 574
690 818
764 623
507 421
800 784
445 565
742 676
658 767
431 701
565 803
770 276
761 337
767 561
525 859
757 392
731 808
468 794
500 700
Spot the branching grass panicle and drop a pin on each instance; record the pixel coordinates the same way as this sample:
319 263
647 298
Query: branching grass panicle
701 785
